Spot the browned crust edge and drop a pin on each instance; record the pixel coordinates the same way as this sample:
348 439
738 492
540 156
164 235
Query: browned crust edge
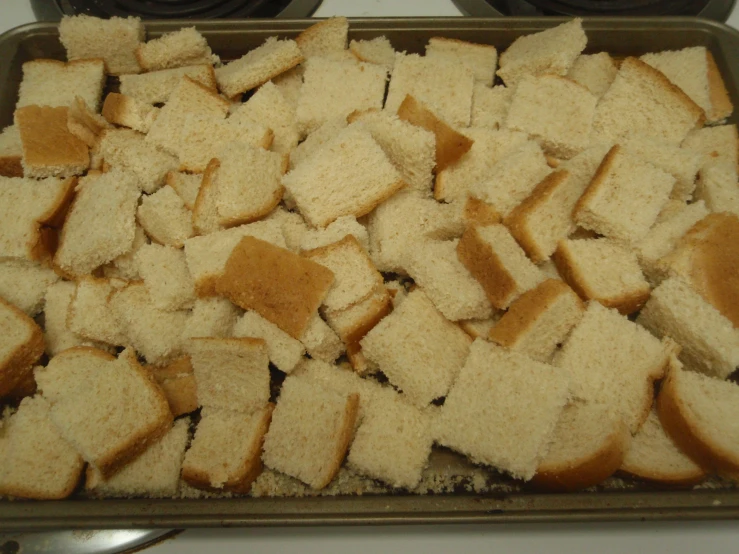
346 434
21 360
595 183
721 106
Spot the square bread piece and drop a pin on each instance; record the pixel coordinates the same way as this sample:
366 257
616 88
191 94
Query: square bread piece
177 382
718 143
283 350
49 149
110 433
333 88
481 59
614 362
502 409
710 343
165 274
418 350
556 112
552 51
176 49
89 315
258 66
101 223
595 72
320 341
83 78
269 107
311 429
444 86
281 286
325 38
603 270
154 474
624 198
498 263
231 374
225 454
165 218
349 175
642 101
21 347
115 40
27 208
128 111
538 320
35 461
157 86
694 70
23 284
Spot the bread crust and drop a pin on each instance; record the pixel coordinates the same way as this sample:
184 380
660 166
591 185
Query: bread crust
11 166
479 212
655 475
381 306
721 106
197 210
346 433
597 181
178 384
20 362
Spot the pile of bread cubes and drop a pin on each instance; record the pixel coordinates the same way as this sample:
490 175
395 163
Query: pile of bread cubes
328 256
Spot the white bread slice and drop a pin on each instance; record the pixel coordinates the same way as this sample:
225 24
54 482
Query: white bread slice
718 143
710 344
177 382
595 72
84 123
616 204
538 320
89 314
186 185
49 149
481 59
231 374
502 409
154 474
278 284
718 187
21 347
57 335
211 317
614 362
35 462
157 86
552 51
320 341
642 101
24 284
311 430
176 49
353 323
355 276
225 452
603 270
125 266
352 86
588 445
295 230
207 255
444 86
498 263
101 223
130 112
512 178
411 149
377 50
284 351
653 456
126 149
290 84
247 183
154 333
341 227
698 414
258 66
165 218
488 148
165 274
316 140
349 175
84 37
108 434
422 361
269 107
11 152
490 105
56 84
555 111
694 70
545 217
29 210
324 38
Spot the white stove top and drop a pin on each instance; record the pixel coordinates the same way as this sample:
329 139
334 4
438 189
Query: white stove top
605 538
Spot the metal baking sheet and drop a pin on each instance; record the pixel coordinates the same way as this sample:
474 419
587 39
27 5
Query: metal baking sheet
480 495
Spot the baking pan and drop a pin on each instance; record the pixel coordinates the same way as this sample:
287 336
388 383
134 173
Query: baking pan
473 494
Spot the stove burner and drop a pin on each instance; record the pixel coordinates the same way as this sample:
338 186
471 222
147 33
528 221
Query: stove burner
52 10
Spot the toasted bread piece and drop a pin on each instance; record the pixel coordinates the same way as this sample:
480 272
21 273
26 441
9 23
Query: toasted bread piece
22 346
258 66
311 429
177 382
157 86
165 274
130 112
377 50
108 434
710 344
23 284
718 143
442 85
165 218
284 351
56 84
36 461
176 49
89 314
595 72
481 59
324 38
237 439
85 37
477 417
269 107
186 185
11 152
